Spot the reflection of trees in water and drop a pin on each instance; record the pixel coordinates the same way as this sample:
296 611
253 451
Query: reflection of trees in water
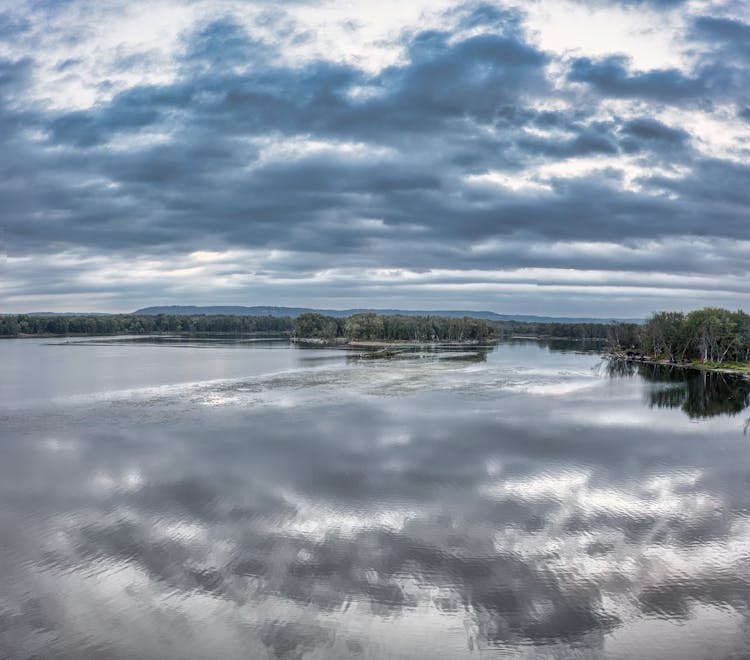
716 394
616 368
697 393
672 396
563 345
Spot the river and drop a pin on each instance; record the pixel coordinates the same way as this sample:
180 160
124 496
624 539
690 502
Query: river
195 498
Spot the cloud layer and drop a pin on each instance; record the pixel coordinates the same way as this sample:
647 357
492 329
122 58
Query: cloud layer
210 152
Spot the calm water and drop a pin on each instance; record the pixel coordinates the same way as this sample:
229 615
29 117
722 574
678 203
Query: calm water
254 500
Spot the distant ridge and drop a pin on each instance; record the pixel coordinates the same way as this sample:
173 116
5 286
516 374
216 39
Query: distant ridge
184 310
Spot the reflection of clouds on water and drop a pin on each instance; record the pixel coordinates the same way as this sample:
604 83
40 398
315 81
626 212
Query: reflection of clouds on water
659 536
357 524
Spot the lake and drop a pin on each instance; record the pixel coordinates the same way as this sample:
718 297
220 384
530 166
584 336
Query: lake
198 498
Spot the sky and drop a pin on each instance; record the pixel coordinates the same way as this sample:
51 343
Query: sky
558 157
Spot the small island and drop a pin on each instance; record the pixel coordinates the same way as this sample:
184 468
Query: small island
389 331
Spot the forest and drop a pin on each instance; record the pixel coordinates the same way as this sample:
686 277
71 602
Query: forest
366 326
393 327
398 327
129 324
710 336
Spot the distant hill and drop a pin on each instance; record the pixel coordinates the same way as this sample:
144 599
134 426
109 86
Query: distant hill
293 312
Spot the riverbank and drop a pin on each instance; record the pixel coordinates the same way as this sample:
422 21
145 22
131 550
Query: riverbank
735 369
166 333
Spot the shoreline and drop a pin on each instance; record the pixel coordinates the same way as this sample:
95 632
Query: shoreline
313 341
166 333
378 344
695 366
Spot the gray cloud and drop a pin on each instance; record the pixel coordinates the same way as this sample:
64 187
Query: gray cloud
610 76
242 149
729 35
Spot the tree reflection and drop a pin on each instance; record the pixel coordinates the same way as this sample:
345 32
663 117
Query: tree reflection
566 345
700 394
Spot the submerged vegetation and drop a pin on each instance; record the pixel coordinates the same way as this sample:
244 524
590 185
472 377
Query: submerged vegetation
710 338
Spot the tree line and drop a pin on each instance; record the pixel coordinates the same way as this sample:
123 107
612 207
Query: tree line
365 326
709 335
398 327
128 324
393 327
584 331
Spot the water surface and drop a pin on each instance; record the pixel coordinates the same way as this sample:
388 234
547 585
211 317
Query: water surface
192 499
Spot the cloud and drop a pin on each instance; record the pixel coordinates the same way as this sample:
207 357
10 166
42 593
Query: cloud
14 74
611 77
651 129
655 4
468 133
725 34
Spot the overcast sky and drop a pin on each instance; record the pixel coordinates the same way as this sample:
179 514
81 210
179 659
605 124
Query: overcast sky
547 157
